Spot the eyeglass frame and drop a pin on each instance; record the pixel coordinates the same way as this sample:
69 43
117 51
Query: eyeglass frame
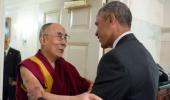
60 35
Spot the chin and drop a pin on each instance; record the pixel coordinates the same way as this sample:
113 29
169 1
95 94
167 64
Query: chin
105 47
103 44
60 55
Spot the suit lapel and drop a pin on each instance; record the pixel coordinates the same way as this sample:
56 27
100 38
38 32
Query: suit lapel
9 53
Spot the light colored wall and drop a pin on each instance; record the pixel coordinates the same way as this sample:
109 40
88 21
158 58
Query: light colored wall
165 51
147 21
1 44
149 34
165 38
26 21
27 17
166 14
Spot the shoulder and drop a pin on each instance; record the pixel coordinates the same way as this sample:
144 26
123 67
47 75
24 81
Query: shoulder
114 59
28 63
14 50
32 67
110 56
109 61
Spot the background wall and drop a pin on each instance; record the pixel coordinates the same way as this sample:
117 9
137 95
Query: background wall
165 38
25 18
28 16
147 22
150 24
166 14
1 44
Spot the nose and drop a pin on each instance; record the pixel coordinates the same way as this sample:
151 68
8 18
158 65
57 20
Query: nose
64 42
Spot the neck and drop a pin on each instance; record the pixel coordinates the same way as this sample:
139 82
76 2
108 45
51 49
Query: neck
49 57
6 47
120 30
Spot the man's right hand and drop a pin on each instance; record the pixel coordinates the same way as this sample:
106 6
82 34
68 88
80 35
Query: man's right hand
84 96
87 96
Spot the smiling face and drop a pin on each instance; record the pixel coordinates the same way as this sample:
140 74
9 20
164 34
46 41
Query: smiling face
52 41
104 31
112 20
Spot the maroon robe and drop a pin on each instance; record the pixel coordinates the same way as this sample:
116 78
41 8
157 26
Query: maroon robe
66 79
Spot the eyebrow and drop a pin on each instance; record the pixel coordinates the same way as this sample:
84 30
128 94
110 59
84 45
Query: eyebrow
63 33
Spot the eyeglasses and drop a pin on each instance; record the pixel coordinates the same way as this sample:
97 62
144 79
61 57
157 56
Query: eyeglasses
60 36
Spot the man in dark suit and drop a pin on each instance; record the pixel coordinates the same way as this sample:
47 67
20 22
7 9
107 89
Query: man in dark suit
11 58
128 71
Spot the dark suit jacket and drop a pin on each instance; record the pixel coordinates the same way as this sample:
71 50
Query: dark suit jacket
127 72
13 57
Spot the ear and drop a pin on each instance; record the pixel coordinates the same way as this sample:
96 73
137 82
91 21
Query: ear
42 39
112 19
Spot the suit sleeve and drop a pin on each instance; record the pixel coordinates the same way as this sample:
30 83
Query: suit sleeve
112 79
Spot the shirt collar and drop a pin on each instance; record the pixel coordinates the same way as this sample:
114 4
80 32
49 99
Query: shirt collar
118 39
6 51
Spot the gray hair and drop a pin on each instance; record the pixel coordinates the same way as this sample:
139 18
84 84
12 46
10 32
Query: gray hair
121 12
43 28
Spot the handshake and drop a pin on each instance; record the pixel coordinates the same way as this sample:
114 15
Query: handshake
84 96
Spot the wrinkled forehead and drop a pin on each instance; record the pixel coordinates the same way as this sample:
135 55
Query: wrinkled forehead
55 28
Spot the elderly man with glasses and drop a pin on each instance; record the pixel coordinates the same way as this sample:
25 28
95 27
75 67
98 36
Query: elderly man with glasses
47 71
